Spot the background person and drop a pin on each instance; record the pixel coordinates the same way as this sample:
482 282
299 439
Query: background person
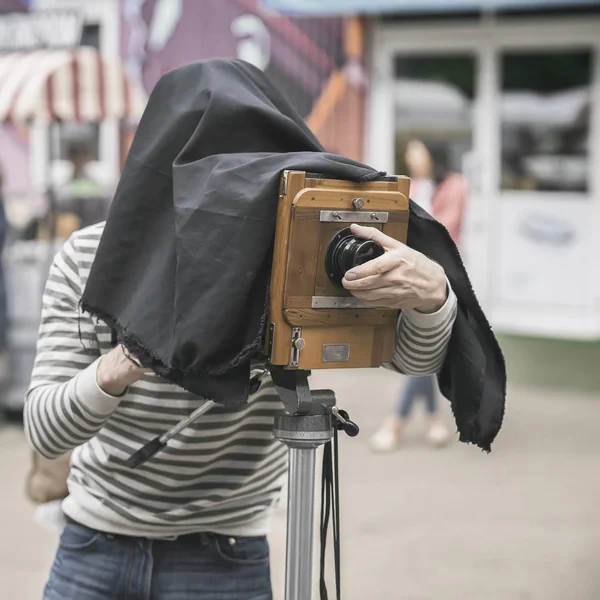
442 193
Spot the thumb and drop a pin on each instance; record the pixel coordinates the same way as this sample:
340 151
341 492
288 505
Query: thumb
371 233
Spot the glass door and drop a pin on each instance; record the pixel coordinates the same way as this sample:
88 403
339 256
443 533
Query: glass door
545 178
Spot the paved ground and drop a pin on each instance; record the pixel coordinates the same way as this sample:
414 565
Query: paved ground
522 523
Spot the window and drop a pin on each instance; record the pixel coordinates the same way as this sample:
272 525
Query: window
81 135
434 97
90 35
545 119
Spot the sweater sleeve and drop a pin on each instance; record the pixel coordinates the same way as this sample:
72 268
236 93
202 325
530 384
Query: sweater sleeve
422 338
64 406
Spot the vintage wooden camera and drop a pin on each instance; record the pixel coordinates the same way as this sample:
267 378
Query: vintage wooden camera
314 323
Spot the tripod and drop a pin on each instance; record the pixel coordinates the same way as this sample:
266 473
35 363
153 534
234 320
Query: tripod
306 425
309 422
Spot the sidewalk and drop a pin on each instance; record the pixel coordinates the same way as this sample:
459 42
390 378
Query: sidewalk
521 523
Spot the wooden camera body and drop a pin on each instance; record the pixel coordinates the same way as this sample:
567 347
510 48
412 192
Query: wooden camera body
314 323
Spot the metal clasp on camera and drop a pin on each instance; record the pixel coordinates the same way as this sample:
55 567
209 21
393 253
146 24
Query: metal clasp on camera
297 345
350 216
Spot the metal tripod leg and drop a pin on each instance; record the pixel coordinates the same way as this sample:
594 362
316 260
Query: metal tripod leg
300 518
303 434
306 426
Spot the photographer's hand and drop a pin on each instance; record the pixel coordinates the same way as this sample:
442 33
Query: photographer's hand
402 278
116 372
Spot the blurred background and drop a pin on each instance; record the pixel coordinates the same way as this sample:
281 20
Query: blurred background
504 98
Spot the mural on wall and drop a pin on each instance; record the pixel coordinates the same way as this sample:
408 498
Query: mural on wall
317 62
7 6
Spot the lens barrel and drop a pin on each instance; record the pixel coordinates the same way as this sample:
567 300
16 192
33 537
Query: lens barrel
346 251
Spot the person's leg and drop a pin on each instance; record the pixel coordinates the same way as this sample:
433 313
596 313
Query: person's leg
428 390
90 565
388 435
437 433
410 393
211 567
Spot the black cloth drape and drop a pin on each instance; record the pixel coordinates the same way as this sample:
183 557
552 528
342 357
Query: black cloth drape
182 270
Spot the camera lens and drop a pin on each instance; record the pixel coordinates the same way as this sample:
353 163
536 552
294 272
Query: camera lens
346 251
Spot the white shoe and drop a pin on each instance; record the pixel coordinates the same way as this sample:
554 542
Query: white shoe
438 435
385 439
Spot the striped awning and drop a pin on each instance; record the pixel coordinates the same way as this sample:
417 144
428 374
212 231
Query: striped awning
67 85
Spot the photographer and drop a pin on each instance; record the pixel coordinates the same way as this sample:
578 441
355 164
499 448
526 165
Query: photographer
166 304
191 522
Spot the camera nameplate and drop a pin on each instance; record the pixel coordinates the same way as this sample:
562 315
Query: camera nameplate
335 353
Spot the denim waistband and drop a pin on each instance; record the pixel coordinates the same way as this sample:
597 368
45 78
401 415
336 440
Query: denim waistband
204 537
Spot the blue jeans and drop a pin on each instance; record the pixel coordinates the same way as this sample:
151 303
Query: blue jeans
90 565
418 386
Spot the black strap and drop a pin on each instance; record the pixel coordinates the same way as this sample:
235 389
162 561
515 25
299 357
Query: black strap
325 512
330 507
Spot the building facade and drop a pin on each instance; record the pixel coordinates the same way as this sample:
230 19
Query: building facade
514 102
511 98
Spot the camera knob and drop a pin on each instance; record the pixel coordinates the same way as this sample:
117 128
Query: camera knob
344 423
299 344
357 203
351 429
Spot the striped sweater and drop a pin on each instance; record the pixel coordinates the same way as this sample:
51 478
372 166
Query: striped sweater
221 474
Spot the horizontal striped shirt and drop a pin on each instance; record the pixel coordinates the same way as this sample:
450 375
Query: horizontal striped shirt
222 473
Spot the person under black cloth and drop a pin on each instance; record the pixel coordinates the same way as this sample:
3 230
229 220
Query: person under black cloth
203 172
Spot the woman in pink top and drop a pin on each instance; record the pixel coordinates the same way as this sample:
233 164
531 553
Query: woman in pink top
442 194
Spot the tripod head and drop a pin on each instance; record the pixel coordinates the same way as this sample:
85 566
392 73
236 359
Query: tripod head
300 401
